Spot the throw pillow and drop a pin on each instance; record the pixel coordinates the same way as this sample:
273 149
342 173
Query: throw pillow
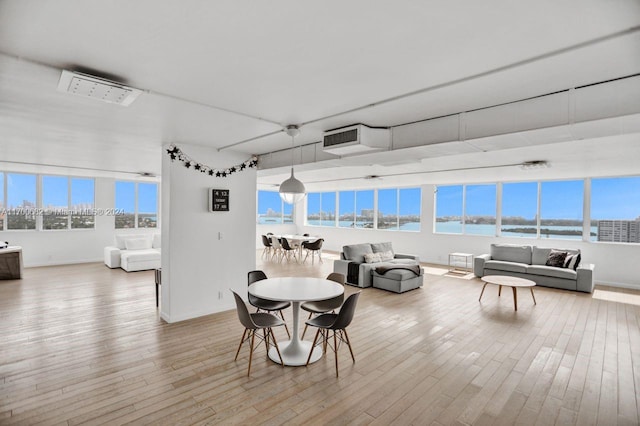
572 261
385 255
372 258
137 243
556 258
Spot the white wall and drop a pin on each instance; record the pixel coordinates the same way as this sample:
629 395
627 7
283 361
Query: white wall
56 247
198 268
616 264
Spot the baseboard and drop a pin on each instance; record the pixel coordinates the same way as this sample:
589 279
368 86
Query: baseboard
60 263
619 285
193 314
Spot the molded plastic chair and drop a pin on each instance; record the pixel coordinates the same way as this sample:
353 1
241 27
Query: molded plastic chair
313 248
276 249
337 323
289 250
324 306
267 246
253 322
264 304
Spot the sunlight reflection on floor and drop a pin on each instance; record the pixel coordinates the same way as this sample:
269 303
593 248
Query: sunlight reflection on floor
629 297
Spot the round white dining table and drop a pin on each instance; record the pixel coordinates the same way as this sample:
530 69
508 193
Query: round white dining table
295 290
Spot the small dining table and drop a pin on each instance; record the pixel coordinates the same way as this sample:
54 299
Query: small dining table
295 290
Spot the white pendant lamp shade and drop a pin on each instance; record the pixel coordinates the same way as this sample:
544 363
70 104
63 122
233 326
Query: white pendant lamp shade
292 190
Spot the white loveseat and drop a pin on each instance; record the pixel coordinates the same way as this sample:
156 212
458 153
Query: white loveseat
134 252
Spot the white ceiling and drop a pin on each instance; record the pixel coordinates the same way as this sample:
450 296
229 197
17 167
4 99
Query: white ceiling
218 73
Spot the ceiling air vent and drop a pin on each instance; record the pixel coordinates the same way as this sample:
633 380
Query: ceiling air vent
356 139
92 87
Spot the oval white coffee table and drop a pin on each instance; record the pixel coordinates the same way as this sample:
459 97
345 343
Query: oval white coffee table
513 282
295 290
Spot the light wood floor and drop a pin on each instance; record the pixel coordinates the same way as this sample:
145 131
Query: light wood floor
84 344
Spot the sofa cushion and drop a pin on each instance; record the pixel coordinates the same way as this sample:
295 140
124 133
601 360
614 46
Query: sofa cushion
356 252
511 253
382 247
140 255
137 243
572 261
551 271
501 265
372 258
541 254
386 255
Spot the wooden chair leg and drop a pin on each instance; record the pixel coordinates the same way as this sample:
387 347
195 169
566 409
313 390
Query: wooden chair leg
253 335
266 339
273 336
335 350
240 345
313 345
285 325
346 339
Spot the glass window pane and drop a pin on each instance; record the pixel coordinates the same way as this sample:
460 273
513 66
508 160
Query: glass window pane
449 209
410 202
364 209
480 210
55 202
388 209
269 207
615 210
347 216
21 201
287 211
561 209
328 211
125 204
82 203
313 208
147 205
519 209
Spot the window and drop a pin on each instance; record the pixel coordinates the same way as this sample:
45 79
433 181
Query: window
388 209
137 205
615 210
409 210
147 205
55 202
328 209
82 203
480 210
449 209
356 209
67 203
561 209
321 208
520 209
21 201
272 210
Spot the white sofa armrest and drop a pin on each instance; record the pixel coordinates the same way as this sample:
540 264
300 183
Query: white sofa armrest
585 281
341 266
112 256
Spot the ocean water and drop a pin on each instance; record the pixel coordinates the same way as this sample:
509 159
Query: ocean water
410 226
455 227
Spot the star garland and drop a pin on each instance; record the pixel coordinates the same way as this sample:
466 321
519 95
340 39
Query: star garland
176 154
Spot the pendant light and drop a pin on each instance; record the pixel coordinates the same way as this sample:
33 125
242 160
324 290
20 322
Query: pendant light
292 190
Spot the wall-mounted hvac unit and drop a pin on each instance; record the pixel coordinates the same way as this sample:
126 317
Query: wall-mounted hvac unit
356 139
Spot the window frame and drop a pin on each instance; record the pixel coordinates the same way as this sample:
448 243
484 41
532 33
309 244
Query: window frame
136 195
283 205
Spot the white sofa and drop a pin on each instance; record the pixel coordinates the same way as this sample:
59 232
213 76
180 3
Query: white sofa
134 252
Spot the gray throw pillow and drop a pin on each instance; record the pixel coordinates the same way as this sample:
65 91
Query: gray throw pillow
556 258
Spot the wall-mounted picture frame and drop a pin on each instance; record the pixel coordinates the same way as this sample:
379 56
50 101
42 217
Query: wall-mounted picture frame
218 200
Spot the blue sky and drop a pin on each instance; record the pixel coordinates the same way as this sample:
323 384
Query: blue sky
611 198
